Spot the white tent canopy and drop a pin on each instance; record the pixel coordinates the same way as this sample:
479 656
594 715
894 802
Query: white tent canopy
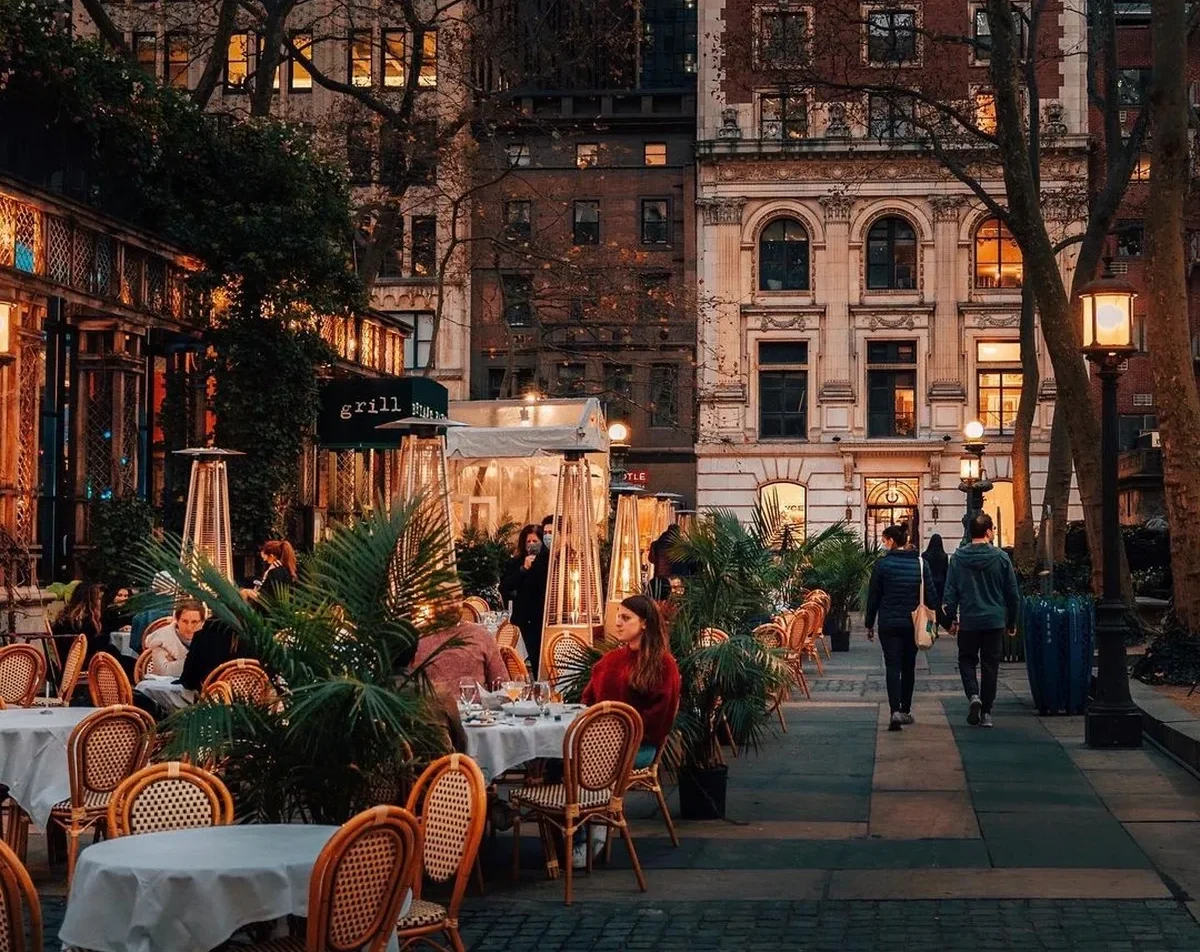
506 429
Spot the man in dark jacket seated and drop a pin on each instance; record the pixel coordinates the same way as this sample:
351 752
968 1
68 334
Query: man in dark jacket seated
213 645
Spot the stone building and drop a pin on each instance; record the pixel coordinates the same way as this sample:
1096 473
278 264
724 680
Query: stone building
858 304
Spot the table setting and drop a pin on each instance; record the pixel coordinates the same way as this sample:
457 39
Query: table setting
514 724
33 756
166 691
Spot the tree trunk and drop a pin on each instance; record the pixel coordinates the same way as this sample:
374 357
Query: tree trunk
1057 498
1169 337
1025 548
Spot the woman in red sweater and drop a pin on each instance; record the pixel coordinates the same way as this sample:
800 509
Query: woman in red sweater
642 673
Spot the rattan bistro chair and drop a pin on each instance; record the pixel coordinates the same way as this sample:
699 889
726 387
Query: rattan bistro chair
17 894
22 671
246 679
71 672
563 652
170 796
508 635
649 780
104 748
143 666
107 683
774 640
598 753
450 802
513 664
357 885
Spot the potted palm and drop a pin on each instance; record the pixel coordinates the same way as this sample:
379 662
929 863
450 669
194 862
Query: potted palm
338 639
842 570
726 685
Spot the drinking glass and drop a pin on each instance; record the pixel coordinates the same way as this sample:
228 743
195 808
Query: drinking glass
467 692
512 690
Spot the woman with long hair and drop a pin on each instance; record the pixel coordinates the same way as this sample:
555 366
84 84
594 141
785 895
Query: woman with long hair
939 563
84 615
280 559
529 544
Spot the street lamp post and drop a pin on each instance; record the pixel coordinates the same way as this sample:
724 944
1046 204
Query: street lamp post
1112 719
973 479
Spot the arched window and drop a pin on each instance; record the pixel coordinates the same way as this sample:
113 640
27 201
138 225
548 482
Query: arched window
891 256
998 261
783 256
787 503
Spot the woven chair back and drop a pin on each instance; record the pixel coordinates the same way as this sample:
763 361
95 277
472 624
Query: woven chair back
107 682
72 668
513 664
22 671
562 652
770 636
17 893
479 604
711 637
450 800
507 635
170 796
105 748
143 666
599 749
359 881
245 677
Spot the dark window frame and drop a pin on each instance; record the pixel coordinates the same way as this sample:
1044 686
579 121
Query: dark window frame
664 417
1006 385
150 68
772 54
585 233
249 46
889 371
783 368
655 232
516 293
424 258
387 57
518 229
890 118
1003 235
352 39
791 113
792 256
1133 86
1130 239
894 43
173 68
891 240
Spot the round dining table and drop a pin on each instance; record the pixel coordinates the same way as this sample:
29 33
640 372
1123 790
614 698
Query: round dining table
508 742
189 890
166 691
33 756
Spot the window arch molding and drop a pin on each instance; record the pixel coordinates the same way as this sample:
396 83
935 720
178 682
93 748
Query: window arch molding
860 230
784 256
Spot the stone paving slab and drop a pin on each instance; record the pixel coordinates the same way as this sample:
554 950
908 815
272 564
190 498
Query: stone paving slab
936 814
998 884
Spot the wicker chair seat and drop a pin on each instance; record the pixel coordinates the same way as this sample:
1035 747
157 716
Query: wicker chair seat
283 944
94 801
553 796
422 913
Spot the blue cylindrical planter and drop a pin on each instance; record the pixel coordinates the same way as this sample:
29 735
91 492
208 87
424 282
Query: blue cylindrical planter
1059 635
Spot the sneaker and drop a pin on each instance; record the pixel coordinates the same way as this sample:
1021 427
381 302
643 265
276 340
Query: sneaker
896 722
906 718
975 710
986 721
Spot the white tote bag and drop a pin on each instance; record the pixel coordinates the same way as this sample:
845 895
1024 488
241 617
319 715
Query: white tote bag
924 619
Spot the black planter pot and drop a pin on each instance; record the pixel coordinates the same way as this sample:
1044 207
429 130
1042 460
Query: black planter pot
702 793
837 630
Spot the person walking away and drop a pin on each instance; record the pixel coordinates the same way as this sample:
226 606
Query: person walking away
937 560
981 603
892 596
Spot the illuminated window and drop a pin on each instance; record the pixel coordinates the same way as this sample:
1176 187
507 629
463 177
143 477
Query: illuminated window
790 501
393 58
785 116
655 153
998 504
427 79
237 63
998 384
145 50
518 155
891 388
998 262
1141 169
424 245
177 61
985 111
299 78
360 58
587 155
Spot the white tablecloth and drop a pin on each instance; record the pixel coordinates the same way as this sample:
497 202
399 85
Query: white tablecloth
505 745
162 690
33 756
189 890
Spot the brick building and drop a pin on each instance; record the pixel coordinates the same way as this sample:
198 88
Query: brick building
860 303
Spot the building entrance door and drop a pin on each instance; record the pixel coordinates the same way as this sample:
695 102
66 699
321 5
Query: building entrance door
892 502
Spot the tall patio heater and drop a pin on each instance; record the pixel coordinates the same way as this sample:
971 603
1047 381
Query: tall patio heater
422 472
574 598
206 530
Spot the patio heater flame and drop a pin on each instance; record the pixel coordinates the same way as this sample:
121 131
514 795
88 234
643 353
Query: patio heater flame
206 531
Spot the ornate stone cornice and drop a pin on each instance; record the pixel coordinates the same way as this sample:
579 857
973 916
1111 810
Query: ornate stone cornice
1064 204
721 211
837 206
946 207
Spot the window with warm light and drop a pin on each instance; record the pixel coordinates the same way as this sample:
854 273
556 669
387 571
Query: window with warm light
985 111
998 384
424 245
145 51
891 388
428 75
299 78
783 256
784 116
360 58
998 260
790 500
654 153
998 504
177 61
237 63
393 58
1141 169
587 155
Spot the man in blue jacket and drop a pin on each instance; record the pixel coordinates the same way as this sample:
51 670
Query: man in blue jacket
892 597
982 601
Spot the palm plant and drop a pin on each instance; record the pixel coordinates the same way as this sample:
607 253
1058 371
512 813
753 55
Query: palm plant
842 570
338 640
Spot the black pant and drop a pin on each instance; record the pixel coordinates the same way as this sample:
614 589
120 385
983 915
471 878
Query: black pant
983 648
900 659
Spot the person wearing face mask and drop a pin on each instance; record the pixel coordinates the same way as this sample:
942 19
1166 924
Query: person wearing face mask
529 606
529 544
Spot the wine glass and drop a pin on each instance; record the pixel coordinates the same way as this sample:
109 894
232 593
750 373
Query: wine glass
467 693
541 694
512 690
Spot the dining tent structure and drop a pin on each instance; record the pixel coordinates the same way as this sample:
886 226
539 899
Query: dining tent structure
504 464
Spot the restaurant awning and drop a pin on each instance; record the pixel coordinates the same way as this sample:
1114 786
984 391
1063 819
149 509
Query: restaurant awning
508 429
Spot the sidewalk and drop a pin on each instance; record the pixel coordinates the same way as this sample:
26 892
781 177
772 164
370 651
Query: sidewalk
843 836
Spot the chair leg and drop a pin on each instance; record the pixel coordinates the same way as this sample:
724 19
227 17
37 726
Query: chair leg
666 815
569 870
516 861
804 685
478 874
456 942
633 856
779 711
73 835
825 645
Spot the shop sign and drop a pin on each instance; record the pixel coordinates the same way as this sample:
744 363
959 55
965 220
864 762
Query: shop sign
352 410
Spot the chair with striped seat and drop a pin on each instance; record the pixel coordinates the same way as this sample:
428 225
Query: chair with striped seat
357 885
450 803
170 796
598 753
104 748
71 672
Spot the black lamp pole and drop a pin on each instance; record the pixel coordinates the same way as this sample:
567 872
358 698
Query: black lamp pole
1112 719
975 488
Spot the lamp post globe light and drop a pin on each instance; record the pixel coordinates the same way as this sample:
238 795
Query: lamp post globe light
1111 719
973 481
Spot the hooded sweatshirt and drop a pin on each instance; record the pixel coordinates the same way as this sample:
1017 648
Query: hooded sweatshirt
981 589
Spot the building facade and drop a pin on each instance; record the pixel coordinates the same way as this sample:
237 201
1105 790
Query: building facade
859 304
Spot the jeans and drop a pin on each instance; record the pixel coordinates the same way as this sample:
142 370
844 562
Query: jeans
982 648
900 658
